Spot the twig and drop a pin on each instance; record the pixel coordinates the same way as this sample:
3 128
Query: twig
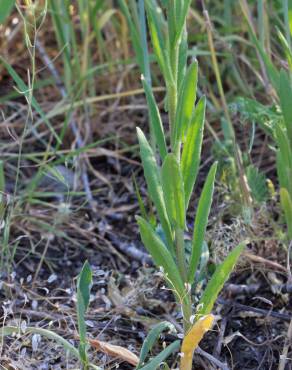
212 359
261 311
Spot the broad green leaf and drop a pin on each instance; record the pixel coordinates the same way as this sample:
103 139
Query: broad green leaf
193 338
25 90
161 256
286 203
155 120
157 360
83 294
151 338
217 281
173 190
186 101
152 176
191 154
5 9
201 222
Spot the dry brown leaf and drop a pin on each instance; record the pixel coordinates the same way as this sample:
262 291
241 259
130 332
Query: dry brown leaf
115 351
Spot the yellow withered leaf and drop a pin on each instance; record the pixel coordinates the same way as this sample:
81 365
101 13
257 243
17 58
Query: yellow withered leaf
192 339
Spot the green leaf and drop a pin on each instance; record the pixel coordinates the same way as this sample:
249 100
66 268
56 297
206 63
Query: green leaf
186 101
217 281
286 204
151 338
161 256
173 190
155 120
156 361
156 25
192 149
201 222
285 101
83 294
257 183
284 159
5 9
152 176
182 20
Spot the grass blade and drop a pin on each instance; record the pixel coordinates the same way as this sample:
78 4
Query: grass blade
25 90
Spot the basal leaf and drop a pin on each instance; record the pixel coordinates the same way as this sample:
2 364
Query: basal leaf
161 255
191 154
217 281
157 360
83 294
151 338
173 190
201 222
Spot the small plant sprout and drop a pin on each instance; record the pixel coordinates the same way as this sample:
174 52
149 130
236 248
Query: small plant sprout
171 167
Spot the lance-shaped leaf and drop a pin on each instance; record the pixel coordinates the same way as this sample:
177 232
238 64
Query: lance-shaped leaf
162 356
155 119
286 204
192 149
151 338
152 176
285 101
83 293
186 101
193 338
182 18
156 25
201 222
217 281
161 256
173 190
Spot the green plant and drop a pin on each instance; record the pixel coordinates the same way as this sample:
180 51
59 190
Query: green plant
281 88
170 185
83 291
